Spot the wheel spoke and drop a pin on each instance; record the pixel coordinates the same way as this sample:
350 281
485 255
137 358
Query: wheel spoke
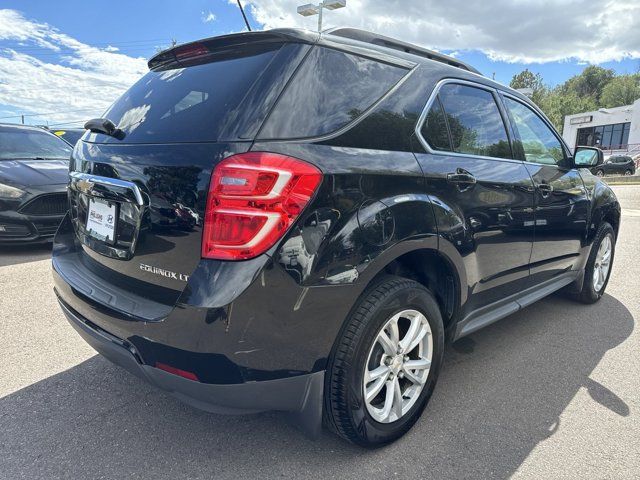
376 373
394 333
387 344
412 377
420 364
416 332
375 388
397 398
388 401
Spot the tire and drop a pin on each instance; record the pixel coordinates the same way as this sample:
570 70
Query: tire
600 173
358 349
628 172
591 291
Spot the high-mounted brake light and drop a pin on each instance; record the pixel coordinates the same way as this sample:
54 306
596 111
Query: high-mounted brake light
253 199
190 51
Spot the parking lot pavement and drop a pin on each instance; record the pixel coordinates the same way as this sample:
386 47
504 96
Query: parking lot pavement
550 392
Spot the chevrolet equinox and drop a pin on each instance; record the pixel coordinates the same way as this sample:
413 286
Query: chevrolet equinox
292 221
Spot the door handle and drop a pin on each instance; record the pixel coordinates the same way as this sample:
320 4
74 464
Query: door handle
545 189
461 177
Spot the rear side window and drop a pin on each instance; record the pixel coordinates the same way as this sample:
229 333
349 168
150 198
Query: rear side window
539 143
474 121
191 104
434 129
330 89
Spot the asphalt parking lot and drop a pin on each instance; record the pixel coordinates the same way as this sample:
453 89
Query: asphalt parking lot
550 392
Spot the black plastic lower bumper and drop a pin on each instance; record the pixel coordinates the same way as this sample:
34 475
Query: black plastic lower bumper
17 229
299 395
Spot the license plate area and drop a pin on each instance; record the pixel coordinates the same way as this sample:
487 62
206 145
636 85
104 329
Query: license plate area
102 220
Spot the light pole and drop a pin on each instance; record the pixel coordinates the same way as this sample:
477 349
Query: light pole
310 9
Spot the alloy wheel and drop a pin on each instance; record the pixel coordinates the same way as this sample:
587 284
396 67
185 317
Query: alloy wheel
602 263
398 366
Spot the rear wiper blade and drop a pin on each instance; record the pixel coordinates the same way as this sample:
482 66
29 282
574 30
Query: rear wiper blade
104 125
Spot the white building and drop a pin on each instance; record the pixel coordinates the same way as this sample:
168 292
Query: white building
612 129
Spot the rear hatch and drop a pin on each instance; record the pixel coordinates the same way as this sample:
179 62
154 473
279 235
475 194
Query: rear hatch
138 199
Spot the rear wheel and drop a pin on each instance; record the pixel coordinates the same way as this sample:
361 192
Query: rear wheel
385 364
598 268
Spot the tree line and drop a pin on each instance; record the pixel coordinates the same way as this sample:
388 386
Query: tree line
594 88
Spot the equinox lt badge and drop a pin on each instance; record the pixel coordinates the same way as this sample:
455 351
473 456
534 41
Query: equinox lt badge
164 273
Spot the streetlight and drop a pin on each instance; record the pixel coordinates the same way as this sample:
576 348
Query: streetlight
310 9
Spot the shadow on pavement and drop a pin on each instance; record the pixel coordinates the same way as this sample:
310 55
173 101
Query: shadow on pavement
501 392
15 255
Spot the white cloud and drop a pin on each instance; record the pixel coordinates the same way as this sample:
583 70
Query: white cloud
524 31
83 81
208 17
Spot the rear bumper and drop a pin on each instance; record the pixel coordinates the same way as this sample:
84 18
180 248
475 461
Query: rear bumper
299 395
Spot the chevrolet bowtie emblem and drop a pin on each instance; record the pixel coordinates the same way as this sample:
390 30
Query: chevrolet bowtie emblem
85 185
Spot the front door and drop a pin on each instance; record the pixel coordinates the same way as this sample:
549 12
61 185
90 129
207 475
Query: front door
561 202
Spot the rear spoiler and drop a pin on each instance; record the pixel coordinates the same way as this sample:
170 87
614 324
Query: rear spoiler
388 42
222 43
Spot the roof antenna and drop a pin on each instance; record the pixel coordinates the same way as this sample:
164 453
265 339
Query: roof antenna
244 16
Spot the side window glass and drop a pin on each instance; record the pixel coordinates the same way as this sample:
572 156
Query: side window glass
539 143
434 129
474 121
330 89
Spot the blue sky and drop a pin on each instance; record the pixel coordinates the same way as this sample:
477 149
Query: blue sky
74 58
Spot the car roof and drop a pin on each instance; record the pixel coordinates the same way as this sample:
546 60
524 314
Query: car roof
354 40
17 126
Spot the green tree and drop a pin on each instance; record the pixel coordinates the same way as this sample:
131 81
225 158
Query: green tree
590 83
528 79
557 104
622 90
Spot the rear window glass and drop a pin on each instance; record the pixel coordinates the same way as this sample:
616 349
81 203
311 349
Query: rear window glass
330 89
191 104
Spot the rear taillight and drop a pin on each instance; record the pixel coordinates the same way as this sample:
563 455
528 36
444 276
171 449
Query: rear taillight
253 199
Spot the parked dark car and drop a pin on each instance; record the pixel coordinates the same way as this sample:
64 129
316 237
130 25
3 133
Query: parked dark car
363 201
34 172
70 135
594 160
616 165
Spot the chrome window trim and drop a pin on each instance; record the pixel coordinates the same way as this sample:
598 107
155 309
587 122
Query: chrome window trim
425 111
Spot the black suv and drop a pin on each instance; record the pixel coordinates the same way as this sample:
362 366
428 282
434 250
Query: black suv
616 165
356 201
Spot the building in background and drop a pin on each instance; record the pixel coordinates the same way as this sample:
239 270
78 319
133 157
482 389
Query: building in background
611 129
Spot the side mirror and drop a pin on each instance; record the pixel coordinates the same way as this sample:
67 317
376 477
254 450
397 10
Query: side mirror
585 157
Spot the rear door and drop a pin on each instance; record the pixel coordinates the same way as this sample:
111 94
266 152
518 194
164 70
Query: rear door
483 198
138 201
561 202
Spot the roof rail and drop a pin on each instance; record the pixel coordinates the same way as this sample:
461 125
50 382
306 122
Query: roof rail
375 39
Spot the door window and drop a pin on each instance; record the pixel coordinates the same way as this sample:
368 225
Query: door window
474 121
538 141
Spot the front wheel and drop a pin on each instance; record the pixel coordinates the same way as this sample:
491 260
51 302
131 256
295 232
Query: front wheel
600 173
598 268
385 364
628 172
